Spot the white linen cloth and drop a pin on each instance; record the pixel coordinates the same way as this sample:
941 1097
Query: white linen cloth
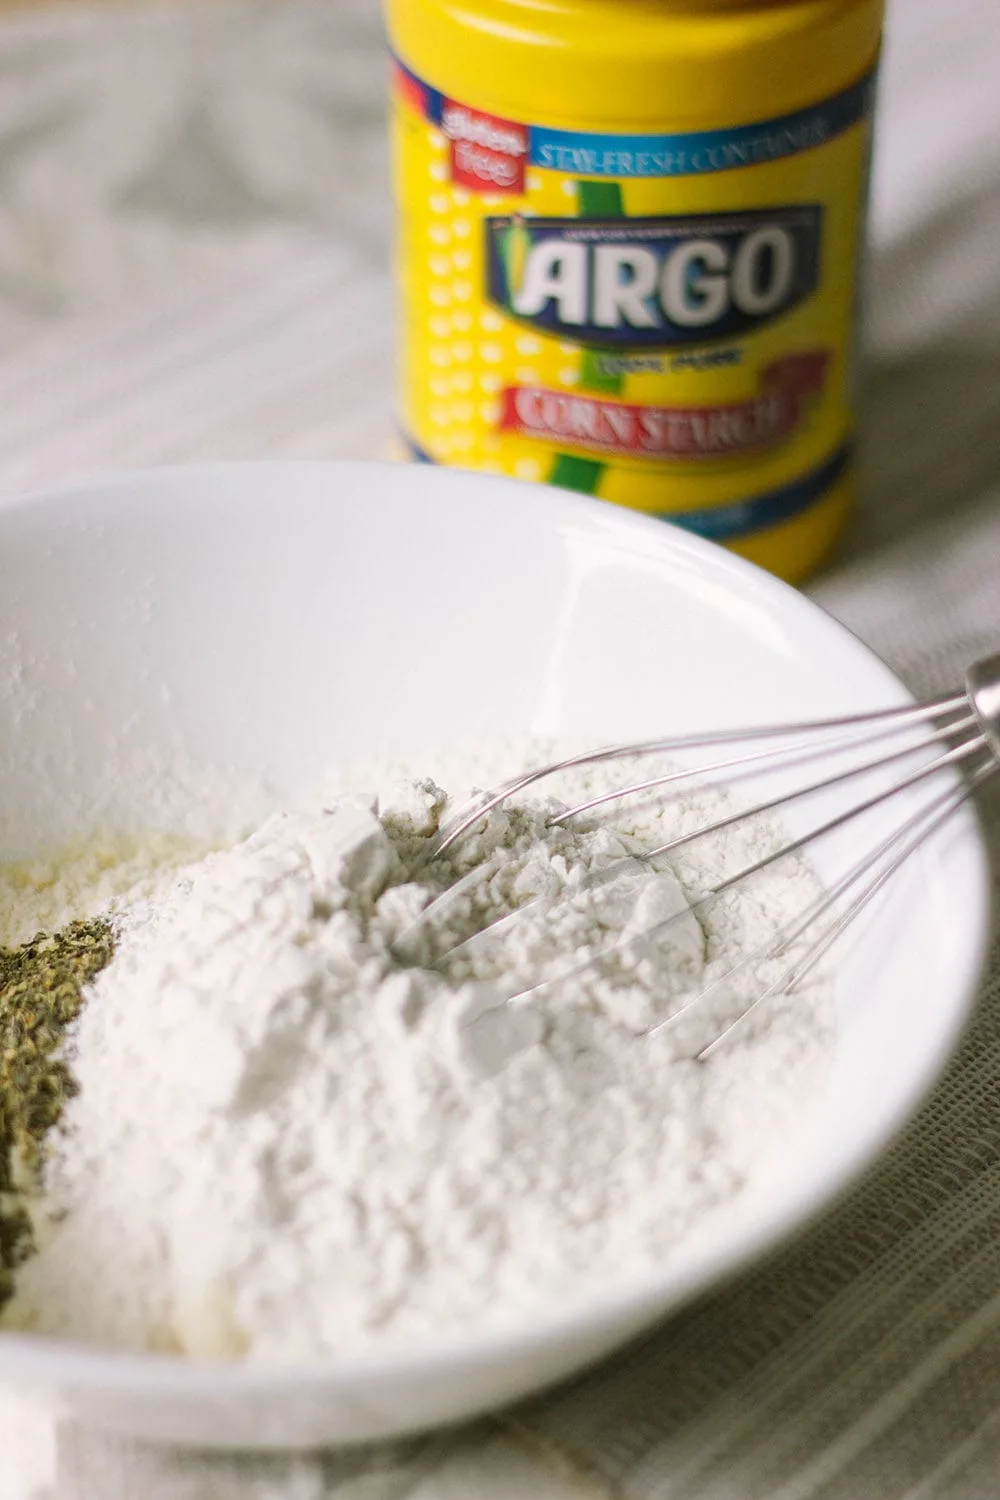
175 287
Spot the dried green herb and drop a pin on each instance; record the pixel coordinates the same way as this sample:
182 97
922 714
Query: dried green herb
40 992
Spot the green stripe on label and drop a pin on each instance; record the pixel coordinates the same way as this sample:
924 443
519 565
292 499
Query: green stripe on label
594 377
573 473
599 200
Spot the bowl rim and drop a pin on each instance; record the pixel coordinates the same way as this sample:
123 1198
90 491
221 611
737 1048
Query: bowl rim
601 1302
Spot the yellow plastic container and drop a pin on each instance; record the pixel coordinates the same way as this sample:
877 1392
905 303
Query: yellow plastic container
628 241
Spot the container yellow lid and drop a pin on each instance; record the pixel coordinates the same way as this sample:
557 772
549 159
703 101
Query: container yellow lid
631 63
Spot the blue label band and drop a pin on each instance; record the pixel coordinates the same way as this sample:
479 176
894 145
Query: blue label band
742 518
691 154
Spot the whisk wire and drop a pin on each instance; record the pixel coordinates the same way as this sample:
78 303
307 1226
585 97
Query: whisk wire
496 928
959 752
773 945
479 807
793 977
960 731
783 758
920 836
481 873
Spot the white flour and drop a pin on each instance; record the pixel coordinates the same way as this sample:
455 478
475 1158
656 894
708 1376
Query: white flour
290 1140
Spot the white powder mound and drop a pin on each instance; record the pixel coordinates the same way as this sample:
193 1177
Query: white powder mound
305 1125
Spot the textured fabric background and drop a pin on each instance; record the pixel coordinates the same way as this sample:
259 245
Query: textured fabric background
175 286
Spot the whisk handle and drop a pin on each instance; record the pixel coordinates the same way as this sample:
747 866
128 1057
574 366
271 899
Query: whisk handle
982 683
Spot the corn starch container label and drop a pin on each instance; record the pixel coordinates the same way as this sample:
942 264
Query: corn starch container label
661 320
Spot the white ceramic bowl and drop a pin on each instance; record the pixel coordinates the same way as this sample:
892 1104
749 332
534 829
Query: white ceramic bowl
276 617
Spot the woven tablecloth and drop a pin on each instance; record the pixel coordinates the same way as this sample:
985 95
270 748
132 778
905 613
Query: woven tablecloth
174 286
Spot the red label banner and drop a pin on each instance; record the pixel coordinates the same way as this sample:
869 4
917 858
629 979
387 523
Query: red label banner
488 154
680 433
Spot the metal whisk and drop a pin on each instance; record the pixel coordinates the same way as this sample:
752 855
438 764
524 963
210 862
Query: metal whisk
958 730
